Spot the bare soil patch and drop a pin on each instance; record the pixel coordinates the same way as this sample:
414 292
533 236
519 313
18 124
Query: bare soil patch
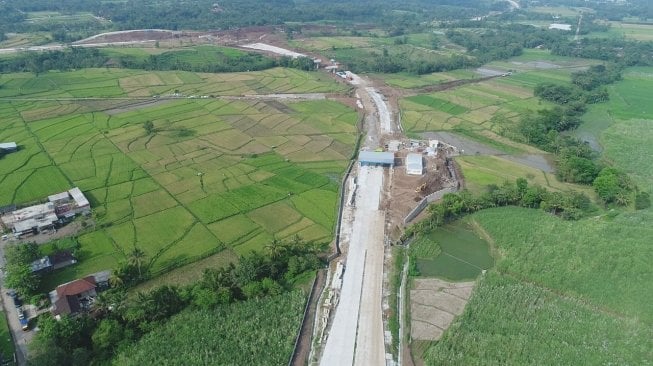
132 106
434 304
407 190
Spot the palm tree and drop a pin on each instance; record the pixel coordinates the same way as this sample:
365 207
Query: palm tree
136 258
116 280
622 199
275 247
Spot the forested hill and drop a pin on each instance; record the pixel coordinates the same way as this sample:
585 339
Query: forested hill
223 14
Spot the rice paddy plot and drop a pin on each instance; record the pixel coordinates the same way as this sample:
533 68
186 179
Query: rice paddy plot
640 32
439 104
212 174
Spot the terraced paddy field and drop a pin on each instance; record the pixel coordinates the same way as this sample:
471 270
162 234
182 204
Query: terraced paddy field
488 110
212 176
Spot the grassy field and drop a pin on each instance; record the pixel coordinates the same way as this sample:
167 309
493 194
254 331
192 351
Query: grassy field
214 176
480 171
640 32
195 57
508 322
563 11
255 332
622 126
410 81
583 287
6 343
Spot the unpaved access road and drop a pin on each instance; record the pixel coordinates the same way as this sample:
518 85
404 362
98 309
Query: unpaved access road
273 49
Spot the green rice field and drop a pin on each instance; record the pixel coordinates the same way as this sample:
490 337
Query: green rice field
214 176
490 108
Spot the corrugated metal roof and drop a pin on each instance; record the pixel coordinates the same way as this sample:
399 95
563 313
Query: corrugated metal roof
58 197
78 196
414 160
414 164
8 146
374 157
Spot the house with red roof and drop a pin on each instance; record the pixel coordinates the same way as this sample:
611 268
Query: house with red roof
79 295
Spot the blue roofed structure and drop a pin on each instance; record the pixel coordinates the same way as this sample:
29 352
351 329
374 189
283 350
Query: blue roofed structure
374 158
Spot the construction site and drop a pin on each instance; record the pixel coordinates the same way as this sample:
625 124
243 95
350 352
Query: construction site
390 185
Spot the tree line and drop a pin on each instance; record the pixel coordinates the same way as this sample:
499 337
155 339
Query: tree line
567 205
229 14
79 58
576 162
117 321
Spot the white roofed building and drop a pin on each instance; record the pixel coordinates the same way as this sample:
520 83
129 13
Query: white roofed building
31 219
70 203
60 208
8 146
414 165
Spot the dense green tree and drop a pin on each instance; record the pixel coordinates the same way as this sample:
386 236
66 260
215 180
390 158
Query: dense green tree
18 272
107 337
576 169
22 253
21 278
148 126
612 186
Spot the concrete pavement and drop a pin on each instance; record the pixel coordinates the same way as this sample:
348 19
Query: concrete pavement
356 335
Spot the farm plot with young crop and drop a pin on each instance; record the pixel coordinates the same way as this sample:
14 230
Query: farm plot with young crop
254 332
579 288
489 106
493 107
209 175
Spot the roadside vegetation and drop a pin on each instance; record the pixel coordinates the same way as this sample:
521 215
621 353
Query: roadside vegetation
198 59
255 296
6 341
254 332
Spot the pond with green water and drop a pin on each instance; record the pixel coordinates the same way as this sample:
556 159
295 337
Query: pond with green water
454 252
